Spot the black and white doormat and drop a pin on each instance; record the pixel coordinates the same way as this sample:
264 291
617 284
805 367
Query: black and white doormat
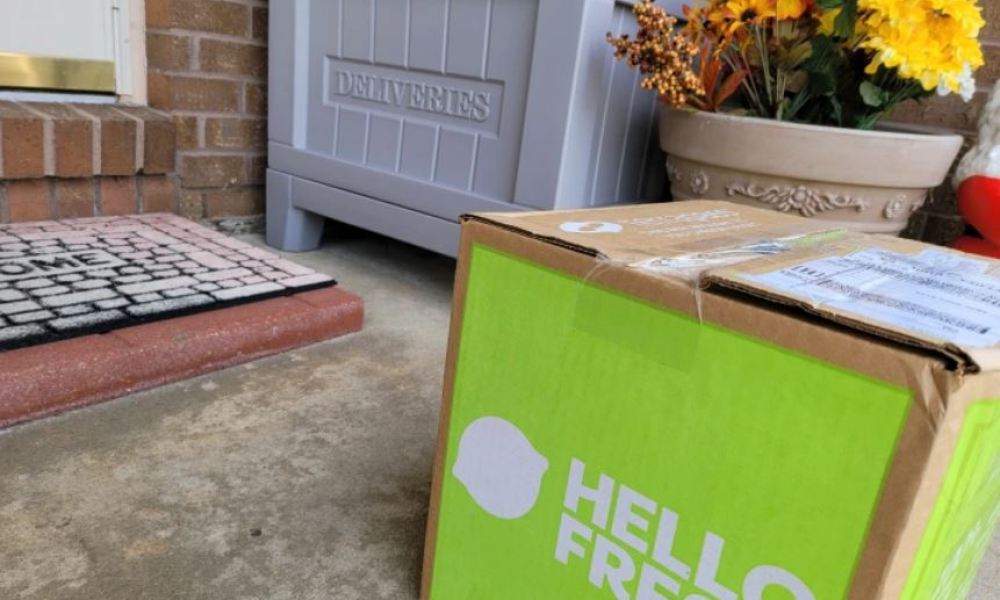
60 279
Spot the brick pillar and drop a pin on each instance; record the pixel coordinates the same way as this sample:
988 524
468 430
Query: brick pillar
208 69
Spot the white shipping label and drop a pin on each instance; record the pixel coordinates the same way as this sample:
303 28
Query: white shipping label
935 293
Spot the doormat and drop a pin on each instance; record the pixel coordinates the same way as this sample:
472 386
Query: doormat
62 279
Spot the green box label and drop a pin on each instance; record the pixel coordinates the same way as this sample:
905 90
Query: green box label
603 447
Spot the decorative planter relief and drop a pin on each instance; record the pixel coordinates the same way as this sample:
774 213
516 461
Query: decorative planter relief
865 180
806 201
699 182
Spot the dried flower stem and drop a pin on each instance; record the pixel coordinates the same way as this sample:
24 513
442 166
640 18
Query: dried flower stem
663 55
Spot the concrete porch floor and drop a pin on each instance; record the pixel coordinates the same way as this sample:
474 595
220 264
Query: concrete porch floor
304 476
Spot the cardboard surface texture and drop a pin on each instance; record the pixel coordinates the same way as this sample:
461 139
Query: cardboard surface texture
702 400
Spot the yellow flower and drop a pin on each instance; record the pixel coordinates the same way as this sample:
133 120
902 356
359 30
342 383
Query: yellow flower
827 21
729 17
930 41
697 24
793 9
749 11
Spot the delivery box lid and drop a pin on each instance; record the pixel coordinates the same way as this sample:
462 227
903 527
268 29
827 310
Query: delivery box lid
908 292
927 296
646 232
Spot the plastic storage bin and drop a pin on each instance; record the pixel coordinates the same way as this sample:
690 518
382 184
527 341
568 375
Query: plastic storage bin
398 116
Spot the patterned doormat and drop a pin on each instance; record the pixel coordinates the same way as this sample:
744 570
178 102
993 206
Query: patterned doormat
61 279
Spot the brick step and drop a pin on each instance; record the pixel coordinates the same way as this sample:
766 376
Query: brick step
72 140
23 200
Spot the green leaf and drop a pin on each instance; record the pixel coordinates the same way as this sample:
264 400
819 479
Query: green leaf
830 4
822 66
868 121
797 103
873 95
838 111
843 25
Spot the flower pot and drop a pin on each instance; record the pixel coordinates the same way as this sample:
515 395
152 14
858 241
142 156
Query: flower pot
864 180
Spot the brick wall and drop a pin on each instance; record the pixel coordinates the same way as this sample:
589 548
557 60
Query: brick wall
938 221
207 63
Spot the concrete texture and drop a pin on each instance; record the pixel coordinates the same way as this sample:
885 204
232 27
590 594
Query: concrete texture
302 476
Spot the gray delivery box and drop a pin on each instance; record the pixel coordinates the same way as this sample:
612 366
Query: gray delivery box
398 116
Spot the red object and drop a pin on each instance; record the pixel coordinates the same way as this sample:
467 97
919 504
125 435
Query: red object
51 378
979 205
974 245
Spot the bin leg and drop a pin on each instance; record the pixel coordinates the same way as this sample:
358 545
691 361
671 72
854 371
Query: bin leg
289 228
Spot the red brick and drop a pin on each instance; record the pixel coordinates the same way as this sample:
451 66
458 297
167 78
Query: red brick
192 205
187 132
159 143
28 200
73 140
118 139
23 133
118 196
257 170
192 93
158 89
240 202
158 13
74 198
212 171
260 23
256 98
990 72
234 58
159 194
241 134
949 112
991 12
168 52
199 15
74 148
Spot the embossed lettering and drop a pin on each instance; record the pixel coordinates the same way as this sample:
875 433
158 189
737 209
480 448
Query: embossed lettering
446 100
345 83
481 107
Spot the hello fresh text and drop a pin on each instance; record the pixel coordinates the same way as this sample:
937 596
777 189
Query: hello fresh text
617 530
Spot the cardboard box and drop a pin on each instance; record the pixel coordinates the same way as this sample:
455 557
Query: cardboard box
701 400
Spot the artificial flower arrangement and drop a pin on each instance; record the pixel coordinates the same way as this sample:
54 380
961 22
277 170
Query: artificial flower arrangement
843 63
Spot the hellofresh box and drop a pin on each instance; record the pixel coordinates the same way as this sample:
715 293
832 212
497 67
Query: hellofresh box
705 401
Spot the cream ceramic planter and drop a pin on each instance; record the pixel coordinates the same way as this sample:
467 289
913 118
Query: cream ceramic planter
864 180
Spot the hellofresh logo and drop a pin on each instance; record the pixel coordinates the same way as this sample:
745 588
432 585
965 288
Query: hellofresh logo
499 467
503 473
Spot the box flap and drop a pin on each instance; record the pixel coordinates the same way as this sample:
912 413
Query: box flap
906 291
680 240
